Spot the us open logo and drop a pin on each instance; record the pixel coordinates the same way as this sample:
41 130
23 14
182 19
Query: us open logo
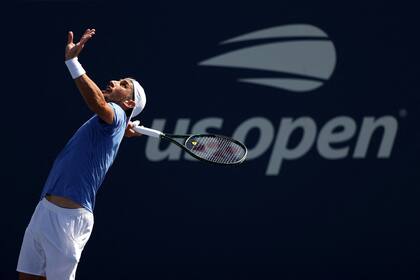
296 57
293 58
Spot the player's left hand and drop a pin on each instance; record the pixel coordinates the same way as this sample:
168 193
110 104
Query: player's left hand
72 49
129 131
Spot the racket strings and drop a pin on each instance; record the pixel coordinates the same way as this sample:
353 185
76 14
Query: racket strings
217 149
223 152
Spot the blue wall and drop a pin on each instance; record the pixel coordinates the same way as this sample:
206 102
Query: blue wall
343 207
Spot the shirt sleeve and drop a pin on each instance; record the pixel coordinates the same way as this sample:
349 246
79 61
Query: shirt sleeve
120 118
119 121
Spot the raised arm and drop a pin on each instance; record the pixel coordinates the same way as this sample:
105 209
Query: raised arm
90 91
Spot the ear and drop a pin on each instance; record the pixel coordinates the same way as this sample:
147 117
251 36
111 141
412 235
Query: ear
129 103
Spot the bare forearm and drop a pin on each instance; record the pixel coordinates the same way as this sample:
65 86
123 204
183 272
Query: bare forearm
91 93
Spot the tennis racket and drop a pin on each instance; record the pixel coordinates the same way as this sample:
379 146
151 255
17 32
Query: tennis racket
210 148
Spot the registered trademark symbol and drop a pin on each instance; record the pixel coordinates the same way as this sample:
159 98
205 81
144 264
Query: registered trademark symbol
403 113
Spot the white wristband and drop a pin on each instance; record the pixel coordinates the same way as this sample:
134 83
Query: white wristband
75 68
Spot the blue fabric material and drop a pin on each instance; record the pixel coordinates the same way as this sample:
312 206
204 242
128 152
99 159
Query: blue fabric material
80 168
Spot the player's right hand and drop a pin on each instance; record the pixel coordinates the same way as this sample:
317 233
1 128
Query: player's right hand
129 131
72 49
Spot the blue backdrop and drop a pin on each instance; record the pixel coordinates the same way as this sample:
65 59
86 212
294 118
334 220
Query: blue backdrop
324 95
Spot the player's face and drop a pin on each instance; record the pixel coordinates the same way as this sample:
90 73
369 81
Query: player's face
118 91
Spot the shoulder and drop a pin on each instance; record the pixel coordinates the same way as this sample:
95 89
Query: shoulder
120 117
116 107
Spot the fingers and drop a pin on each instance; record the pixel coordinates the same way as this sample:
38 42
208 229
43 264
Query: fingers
70 37
135 133
131 133
86 36
89 32
133 124
73 50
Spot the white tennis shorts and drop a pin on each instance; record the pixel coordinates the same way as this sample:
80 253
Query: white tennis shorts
54 241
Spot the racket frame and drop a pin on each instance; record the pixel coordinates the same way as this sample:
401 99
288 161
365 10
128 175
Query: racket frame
188 136
171 138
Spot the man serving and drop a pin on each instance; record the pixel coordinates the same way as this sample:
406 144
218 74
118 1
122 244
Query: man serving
63 219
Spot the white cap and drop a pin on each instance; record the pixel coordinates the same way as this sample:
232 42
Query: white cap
139 99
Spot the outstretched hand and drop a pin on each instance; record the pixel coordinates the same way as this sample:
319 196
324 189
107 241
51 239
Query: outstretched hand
72 49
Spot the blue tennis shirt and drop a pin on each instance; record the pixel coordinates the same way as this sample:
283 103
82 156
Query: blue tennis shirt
80 168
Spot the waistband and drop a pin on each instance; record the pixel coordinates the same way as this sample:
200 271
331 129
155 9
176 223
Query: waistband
66 211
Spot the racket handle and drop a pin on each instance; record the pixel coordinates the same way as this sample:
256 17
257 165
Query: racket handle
136 123
148 131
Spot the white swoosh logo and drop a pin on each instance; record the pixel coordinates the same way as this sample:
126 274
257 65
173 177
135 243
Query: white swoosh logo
311 59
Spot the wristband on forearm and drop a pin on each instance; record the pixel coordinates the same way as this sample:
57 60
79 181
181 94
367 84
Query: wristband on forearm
75 68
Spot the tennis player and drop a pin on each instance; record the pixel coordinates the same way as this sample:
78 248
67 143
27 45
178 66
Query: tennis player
63 219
